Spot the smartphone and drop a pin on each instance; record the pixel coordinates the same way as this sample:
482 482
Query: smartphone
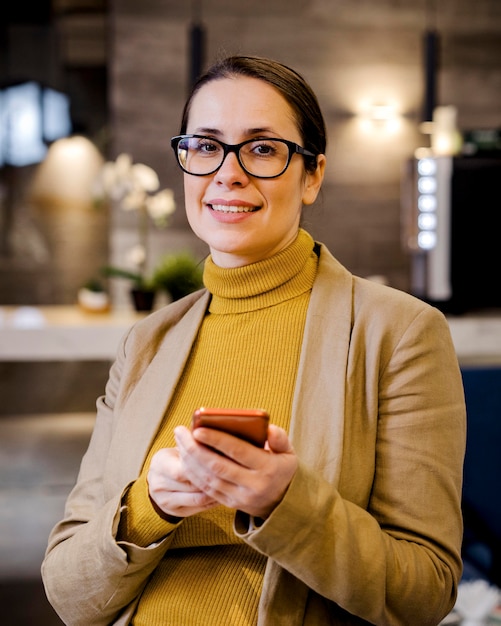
248 424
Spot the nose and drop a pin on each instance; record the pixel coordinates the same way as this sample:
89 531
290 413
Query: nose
231 172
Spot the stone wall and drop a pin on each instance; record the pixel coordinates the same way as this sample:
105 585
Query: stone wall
351 52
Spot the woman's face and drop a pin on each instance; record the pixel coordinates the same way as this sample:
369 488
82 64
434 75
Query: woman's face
244 219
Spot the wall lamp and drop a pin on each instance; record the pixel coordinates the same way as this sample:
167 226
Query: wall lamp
380 116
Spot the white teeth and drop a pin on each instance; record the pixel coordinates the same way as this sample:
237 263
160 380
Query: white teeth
224 208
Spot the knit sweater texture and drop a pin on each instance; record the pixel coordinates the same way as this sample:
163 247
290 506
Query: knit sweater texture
245 356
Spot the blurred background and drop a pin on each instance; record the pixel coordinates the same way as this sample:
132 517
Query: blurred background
83 81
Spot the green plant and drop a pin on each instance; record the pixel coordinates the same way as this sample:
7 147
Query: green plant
179 274
95 285
137 278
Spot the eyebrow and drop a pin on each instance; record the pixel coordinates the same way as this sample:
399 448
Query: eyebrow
217 133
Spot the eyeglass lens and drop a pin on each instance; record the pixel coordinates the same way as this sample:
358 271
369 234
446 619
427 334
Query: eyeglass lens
260 157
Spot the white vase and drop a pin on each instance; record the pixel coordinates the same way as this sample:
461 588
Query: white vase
93 301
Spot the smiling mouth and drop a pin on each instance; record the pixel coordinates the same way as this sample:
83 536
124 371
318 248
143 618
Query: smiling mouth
224 208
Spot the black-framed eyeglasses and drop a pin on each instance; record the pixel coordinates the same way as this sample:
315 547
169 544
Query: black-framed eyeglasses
263 158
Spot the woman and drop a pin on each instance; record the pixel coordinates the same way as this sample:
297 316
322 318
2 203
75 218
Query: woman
351 514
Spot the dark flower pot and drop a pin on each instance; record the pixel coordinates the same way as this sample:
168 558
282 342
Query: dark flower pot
143 299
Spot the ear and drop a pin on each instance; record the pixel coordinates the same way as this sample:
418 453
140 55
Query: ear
313 181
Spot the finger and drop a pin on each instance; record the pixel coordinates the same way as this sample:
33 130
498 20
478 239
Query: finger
180 504
181 500
278 440
231 447
193 446
213 473
159 481
166 469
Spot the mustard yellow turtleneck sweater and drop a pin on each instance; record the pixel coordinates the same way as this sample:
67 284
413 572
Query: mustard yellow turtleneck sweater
245 356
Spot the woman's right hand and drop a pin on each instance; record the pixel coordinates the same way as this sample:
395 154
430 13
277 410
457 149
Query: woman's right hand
173 494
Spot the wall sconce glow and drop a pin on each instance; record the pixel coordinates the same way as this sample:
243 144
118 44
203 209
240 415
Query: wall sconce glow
380 116
427 167
446 139
427 221
427 184
427 203
427 239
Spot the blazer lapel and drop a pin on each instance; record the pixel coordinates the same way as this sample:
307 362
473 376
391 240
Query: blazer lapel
317 423
145 408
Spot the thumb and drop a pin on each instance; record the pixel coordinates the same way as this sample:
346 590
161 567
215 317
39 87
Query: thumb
278 440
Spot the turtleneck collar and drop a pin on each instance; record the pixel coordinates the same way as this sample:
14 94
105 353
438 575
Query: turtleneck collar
283 276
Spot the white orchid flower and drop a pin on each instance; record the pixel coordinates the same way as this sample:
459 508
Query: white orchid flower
120 177
136 256
144 177
161 205
134 200
113 181
123 166
133 186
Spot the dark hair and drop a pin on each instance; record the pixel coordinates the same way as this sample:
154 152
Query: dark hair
291 86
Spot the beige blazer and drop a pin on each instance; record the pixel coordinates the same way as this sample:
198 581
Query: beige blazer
370 528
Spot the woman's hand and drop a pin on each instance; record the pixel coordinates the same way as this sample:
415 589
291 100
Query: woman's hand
169 488
246 478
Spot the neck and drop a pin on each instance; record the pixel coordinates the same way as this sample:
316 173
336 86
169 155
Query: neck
231 260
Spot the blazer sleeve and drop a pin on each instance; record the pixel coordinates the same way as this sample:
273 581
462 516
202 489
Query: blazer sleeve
384 543
83 560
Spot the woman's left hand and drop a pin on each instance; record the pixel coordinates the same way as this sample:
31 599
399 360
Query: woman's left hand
246 478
